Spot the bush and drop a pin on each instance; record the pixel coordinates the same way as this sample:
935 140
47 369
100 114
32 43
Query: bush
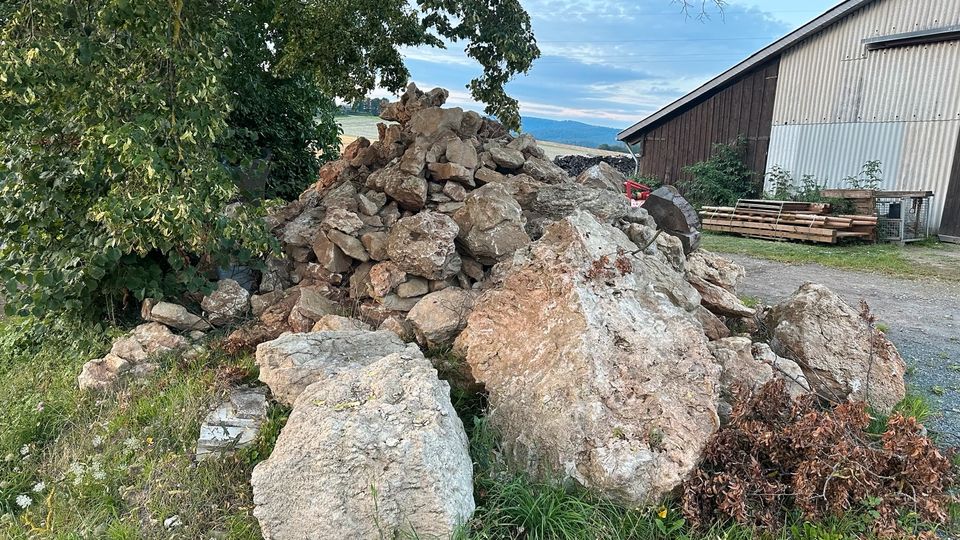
723 179
784 188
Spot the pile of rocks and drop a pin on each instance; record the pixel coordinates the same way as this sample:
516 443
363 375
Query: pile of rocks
402 232
604 344
575 165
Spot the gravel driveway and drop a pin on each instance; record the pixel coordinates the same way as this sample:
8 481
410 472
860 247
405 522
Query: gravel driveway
923 319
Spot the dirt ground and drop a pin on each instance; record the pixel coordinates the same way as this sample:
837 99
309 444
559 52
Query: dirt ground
923 318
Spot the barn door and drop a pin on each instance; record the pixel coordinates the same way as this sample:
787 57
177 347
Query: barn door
950 223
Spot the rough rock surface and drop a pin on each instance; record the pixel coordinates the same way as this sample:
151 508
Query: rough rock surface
603 176
491 224
227 304
715 269
423 245
173 315
440 316
376 452
842 356
595 366
128 357
338 322
292 362
233 424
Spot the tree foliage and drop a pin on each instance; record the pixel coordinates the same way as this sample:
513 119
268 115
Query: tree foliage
119 118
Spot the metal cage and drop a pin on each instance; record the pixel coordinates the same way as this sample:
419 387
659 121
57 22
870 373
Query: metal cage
903 216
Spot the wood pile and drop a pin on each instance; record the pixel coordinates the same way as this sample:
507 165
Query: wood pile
787 220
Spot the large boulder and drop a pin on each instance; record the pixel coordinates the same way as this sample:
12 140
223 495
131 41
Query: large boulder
375 452
841 354
227 304
559 201
603 176
423 245
595 365
292 362
491 224
439 317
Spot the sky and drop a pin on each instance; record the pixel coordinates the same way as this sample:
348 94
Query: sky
614 62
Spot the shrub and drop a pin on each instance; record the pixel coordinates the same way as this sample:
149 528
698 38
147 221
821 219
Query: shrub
722 179
777 457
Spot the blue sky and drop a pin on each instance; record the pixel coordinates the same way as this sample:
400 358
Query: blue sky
613 62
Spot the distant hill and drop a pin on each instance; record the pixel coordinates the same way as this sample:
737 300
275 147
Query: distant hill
569 132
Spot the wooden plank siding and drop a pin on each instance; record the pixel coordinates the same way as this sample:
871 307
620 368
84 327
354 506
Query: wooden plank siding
744 107
950 222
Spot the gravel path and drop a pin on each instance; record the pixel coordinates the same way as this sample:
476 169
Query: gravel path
923 319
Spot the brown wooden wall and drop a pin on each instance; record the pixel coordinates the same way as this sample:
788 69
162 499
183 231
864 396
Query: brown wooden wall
950 222
744 107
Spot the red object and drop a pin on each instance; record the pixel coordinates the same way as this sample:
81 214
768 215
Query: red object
637 191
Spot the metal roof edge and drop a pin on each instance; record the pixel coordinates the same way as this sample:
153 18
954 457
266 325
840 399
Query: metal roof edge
777 47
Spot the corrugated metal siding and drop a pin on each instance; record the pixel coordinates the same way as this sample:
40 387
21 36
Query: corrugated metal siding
839 105
914 155
745 107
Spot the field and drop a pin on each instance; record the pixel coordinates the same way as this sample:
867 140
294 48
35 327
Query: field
366 126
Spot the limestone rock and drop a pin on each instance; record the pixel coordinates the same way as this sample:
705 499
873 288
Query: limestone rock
719 300
487 176
292 362
338 322
713 327
260 302
842 356
310 307
595 371
507 158
375 452
544 171
715 269
451 171
339 219
273 322
423 245
603 176
376 245
399 326
233 424
491 224
228 304
351 246
329 255
413 287
173 315
385 277
439 317
562 200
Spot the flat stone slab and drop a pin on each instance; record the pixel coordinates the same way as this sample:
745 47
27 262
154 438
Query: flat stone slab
234 424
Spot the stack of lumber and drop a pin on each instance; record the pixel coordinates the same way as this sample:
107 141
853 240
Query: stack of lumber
786 220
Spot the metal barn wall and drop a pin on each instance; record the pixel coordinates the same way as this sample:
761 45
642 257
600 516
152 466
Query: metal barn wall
745 107
839 105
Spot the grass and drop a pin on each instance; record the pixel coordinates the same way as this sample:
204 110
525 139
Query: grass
889 259
116 466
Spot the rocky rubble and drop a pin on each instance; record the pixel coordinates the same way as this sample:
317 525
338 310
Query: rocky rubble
129 357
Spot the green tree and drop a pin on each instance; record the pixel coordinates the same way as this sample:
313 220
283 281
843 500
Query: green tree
118 116
722 179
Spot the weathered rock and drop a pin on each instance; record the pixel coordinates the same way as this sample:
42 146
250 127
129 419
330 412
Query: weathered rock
713 327
292 362
350 246
260 302
715 269
342 220
376 452
462 153
671 248
595 367
439 317
128 357
409 191
603 176
338 322
311 306
376 245
719 300
394 302
455 191
272 323
399 326
784 368
507 158
329 255
842 356
103 374
562 200
486 176
233 424
544 171
452 172
303 228
228 304
413 100
173 315
491 224
413 287
384 278
435 124
423 245
155 338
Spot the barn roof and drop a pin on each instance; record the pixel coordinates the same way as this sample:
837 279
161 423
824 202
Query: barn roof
632 134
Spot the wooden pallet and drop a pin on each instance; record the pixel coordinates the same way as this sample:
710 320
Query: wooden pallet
786 220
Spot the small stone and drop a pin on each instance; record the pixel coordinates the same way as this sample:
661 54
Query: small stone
376 245
227 304
384 277
455 191
413 287
342 220
351 246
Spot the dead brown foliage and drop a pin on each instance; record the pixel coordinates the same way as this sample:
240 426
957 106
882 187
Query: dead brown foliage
778 456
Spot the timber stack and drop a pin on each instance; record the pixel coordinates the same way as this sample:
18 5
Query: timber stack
787 220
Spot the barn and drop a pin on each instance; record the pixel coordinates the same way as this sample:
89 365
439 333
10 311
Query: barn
867 80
